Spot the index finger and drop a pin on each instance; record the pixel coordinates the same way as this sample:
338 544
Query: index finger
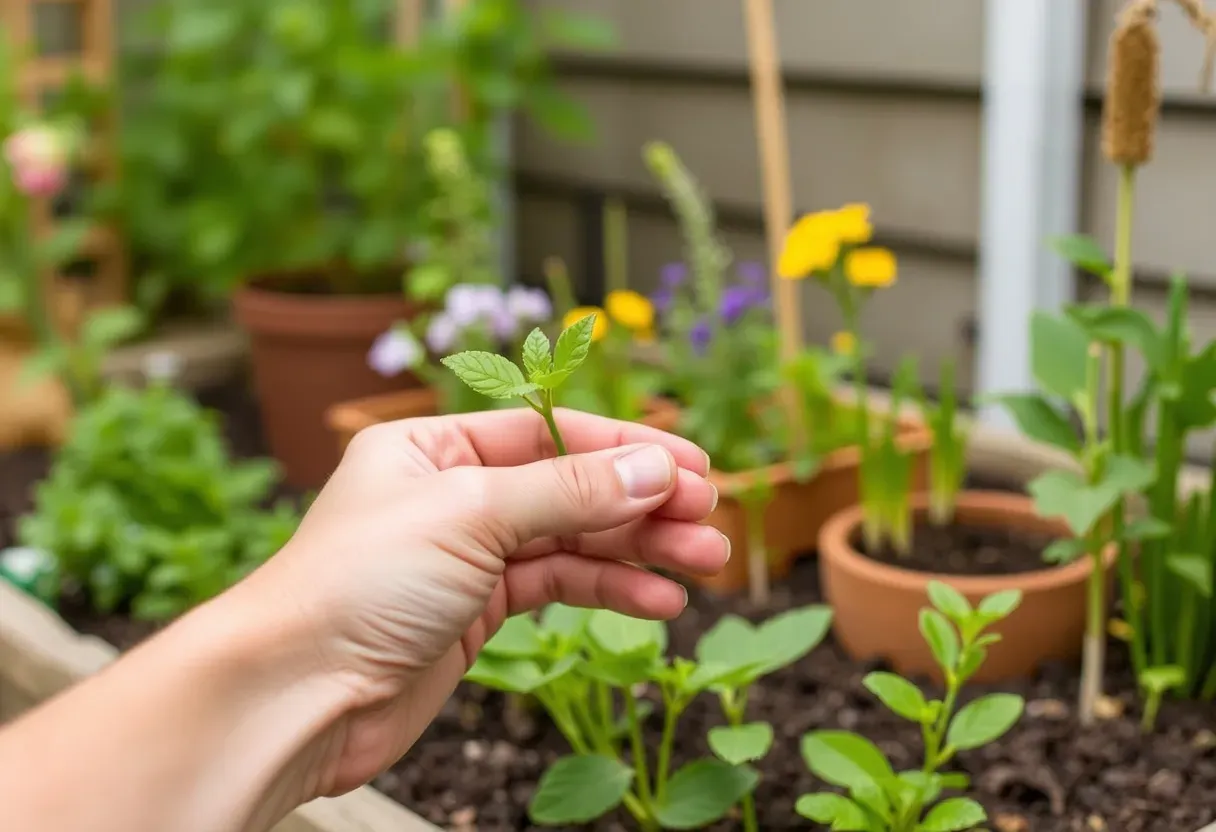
506 438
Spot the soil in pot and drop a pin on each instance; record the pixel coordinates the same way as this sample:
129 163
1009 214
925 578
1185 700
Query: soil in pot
967 549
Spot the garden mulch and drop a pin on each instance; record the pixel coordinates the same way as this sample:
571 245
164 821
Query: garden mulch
477 765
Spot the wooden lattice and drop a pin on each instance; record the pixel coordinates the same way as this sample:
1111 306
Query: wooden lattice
99 277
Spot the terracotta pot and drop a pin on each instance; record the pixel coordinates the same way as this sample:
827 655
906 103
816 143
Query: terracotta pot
798 510
877 605
348 418
309 352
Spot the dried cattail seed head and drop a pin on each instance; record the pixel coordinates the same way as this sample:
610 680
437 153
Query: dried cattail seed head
1129 117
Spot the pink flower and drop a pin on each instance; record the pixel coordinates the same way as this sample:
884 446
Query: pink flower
529 306
442 333
38 156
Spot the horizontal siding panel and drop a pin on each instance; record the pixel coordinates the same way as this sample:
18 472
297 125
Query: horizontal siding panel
931 40
923 314
916 162
1175 199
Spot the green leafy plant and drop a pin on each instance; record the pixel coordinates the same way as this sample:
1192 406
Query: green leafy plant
144 507
948 456
878 799
545 367
886 473
584 668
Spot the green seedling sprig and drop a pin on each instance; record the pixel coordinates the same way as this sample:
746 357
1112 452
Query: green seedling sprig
948 456
886 473
877 798
545 367
585 668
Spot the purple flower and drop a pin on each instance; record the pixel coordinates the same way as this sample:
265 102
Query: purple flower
503 324
529 306
699 336
752 273
673 275
738 300
395 350
441 334
469 303
662 299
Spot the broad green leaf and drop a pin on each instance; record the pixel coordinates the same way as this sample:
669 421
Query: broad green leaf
489 374
573 345
1147 528
621 671
1123 325
898 694
953 815
563 620
711 674
703 792
107 327
505 674
737 744
1195 405
729 643
1161 679
1194 569
1065 494
579 790
559 669
984 720
518 637
924 788
1058 354
940 636
537 357
623 635
1084 252
1041 421
949 601
845 759
789 636
840 813
999 605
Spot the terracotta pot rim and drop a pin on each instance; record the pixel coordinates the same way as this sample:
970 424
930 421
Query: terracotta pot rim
915 436
284 314
835 546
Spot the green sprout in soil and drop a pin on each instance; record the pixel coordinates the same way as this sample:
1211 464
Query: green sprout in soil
948 455
877 798
545 367
590 670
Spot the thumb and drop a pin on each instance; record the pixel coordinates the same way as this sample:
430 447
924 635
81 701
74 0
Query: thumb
581 493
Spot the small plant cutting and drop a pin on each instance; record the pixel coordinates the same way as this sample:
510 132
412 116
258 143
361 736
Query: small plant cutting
877 798
585 669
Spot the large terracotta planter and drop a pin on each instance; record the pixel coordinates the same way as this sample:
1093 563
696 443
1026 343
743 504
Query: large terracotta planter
798 510
348 418
877 606
309 352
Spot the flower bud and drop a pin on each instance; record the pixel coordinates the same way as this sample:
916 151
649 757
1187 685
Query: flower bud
1133 99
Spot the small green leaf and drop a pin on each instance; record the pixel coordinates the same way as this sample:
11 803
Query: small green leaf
579 790
569 622
953 815
1084 252
785 638
1064 550
1123 325
1158 680
107 327
703 792
560 668
1194 569
984 720
505 674
845 759
1000 605
842 814
898 694
737 744
1065 494
573 345
489 374
940 636
1041 421
623 635
949 601
518 637
1058 354
1147 528
537 358
728 643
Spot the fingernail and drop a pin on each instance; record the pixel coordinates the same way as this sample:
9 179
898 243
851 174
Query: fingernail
685 596
726 540
715 503
646 472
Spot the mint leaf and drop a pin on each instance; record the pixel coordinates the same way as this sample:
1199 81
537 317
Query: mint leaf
577 790
537 358
573 345
842 814
953 815
489 374
949 601
846 760
901 696
741 743
703 792
984 720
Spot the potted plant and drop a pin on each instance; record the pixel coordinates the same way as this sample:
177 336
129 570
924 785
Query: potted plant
278 150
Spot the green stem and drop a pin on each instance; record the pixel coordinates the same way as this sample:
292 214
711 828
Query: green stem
1185 648
671 715
1152 703
734 706
547 412
640 763
1120 294
936 756
616 245
1209 686
1094 647
1169 458
757 550
603 696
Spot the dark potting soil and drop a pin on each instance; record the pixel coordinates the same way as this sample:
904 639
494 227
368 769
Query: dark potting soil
478 764
960 549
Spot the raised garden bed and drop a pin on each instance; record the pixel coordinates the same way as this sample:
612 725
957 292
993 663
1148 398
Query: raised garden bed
477 765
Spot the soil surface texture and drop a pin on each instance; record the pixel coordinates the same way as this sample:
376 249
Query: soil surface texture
478 764
960 549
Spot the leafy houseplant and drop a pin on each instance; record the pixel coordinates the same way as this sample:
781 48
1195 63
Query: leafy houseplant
877 798
144 507
584 668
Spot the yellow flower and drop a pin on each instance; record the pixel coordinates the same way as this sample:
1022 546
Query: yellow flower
812 245
870 268
853 223
578 313
630 309
844 343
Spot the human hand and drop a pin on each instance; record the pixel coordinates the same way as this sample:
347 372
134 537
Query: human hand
432 531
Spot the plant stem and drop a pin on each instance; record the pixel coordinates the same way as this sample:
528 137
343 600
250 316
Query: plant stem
734 715
1094 649
1184 650
1164 507
671 715
757 550
1152 703
640 763
547 412
1209 686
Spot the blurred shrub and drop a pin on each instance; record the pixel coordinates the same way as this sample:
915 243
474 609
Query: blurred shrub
144 506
